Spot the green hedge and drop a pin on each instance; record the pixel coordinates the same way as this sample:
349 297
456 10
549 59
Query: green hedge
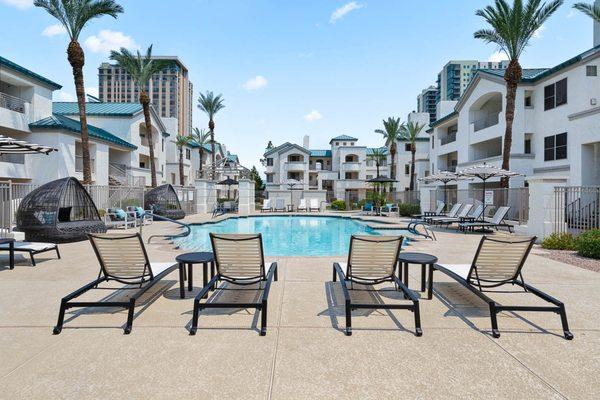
338 205
560 241
588 244
406 210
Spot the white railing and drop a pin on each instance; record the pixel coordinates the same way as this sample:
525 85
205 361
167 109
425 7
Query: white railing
79 164
12 103
486 122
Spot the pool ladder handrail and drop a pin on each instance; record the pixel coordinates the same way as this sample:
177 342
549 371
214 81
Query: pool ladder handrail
187 232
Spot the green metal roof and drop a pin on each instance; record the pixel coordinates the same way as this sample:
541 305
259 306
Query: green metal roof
9 64
320 153
61 122
207 147
443 119
529 74
98 109
343 137
370 150
233 157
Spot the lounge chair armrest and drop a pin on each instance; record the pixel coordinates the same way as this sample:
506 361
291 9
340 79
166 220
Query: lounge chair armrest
205 289
270 274
342 278
409 293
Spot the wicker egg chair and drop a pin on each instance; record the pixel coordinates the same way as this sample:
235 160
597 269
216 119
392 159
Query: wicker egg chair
163 201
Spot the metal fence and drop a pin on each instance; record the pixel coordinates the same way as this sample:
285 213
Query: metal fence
577 209
11 195
407 197
515 198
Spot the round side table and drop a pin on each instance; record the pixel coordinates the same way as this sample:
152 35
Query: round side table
190 259
416 258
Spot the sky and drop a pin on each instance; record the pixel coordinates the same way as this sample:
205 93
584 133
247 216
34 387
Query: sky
288 68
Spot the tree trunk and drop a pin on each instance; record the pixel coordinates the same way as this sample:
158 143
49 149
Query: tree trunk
377 166
512 76
393 170
181 180
145 100
76 58
200 165
413 150
213 169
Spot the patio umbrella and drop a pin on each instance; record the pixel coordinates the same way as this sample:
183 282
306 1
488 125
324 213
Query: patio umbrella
485 172
445 177
9 145
228 182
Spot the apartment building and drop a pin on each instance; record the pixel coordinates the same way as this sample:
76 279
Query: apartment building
455 76
170 90
556 130
426 102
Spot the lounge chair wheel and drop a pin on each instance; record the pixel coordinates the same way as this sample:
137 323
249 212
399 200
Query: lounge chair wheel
418 332
127 330
263 332
57 330
348 331
568 335
495 333
192 331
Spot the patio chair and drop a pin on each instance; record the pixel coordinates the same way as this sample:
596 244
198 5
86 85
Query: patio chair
463 213
496 221
280 204
122 258
302 205
32 248
473 215
389 209
118 218
266 206
368 209
239 260
144 216
373 260
314 205
451 214
497 262
436 213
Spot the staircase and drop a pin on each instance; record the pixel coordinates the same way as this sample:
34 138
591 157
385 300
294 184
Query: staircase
120 175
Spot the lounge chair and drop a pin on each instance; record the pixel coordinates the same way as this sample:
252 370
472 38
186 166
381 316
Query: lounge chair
373 260
280 205
302 205
496 221
144 216
436 213
266 206
389 208
240 261
32 248
497 262
463 213
118 218
368 209
314 205
473 215
123 259
451 214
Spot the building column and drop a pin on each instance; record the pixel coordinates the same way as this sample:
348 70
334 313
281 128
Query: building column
425 197
246 197
544 216
206 195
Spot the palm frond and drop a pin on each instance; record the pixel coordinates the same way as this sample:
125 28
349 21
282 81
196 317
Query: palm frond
210 104
591 10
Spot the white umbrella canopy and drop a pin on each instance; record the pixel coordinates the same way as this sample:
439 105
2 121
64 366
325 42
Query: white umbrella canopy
9 145
444 177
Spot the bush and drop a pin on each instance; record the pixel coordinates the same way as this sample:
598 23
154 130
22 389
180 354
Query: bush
588 244
338 205
560 241
406 210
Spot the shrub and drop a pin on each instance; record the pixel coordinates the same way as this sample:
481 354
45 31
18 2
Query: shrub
338 205
406 210
560 241
588 244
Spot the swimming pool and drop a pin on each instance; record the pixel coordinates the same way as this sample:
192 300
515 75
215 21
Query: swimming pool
285 235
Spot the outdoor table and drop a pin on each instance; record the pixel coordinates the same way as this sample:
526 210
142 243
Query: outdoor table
290 208
11 251
190 259
416 258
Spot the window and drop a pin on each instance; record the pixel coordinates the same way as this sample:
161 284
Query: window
407 147
351 143
188 154
527 146
555 147
344 143
369 177
337 143
555 95
432 142
269 162
591 70
406 169
348 175
269 178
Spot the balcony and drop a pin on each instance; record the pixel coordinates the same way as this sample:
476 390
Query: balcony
351 166
12 103
13 158
14 112
485 122
295 165
448 138
79 164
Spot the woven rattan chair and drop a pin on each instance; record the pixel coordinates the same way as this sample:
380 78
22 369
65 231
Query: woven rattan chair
123 259
240 260
163 201
373 260
497 262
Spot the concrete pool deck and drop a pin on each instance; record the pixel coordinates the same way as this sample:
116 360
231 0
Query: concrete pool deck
305 353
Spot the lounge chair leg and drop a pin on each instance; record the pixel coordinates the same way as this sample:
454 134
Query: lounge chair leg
32 259
493 316
565 323
334 277
127 329
275 275
57 253
263 318
430 283
61 317
348 318
418 330
194 326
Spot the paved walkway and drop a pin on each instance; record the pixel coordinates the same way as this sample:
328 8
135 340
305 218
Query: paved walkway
305 354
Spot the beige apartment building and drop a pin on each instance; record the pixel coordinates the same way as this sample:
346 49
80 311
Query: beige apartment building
170 90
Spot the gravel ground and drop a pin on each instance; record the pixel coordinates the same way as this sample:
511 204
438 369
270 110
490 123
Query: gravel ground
569 257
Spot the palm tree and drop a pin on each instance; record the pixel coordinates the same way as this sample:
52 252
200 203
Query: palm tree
74 15
392 131
410 133
378 156
202 138
141 68
511 29
591 10
181 141
211 105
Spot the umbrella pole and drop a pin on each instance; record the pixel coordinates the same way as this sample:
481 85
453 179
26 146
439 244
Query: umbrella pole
483 212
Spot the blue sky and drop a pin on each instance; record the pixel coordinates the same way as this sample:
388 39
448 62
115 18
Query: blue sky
289 68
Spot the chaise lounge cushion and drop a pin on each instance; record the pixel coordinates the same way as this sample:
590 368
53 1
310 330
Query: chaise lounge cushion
33 246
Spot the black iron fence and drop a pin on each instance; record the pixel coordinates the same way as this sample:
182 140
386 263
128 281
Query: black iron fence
577 209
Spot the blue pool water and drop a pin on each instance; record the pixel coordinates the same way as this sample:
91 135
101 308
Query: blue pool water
285 236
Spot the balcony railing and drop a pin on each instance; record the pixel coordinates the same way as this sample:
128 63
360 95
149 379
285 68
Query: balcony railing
79 164
13 158
485 122
449 138
12 103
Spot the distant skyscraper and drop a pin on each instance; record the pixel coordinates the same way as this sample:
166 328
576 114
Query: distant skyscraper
457 74
170 90
426 102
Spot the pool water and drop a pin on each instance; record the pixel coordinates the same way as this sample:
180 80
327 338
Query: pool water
285 236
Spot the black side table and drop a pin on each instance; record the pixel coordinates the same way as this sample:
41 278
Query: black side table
190 259
11 251
417 258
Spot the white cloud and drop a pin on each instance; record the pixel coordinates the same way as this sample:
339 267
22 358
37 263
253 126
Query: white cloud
92 91
539 32
54 30
305 55
571 13
343 11
314 115
108 40
498 56
258 82
22 4
64 96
